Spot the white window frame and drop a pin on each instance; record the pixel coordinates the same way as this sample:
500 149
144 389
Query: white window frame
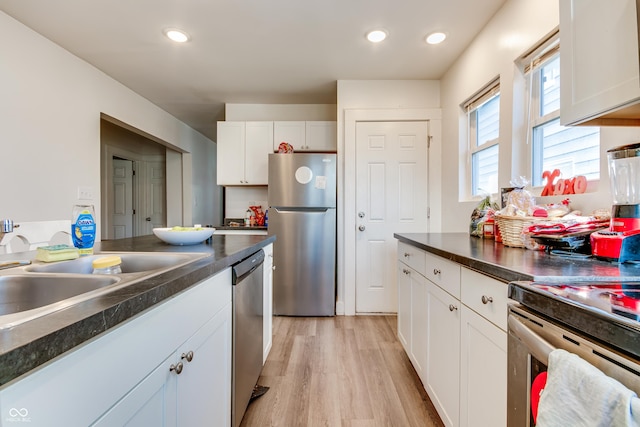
531 65
470 106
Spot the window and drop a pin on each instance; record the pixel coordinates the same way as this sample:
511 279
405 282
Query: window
483 119
573 150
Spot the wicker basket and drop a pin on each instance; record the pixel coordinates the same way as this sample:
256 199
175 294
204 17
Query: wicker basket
511 228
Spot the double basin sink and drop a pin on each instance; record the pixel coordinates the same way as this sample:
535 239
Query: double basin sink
38 289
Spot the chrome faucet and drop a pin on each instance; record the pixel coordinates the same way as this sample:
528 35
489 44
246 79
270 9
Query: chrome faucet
6 226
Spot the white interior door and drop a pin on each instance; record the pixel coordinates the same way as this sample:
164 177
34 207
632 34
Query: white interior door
155 197
391 197
122 208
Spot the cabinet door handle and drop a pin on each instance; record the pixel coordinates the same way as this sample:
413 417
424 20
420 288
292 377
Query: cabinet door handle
486 300
436 271
188 356
176 368
452 307
407 254
405 271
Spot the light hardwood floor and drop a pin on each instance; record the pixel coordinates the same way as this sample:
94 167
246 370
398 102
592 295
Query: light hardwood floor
339 371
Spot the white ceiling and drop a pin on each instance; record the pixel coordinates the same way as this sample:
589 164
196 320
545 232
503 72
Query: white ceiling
254 51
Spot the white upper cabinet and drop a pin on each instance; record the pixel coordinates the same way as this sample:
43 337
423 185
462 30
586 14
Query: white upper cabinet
599 62
313 136
293 133
321 136
243 152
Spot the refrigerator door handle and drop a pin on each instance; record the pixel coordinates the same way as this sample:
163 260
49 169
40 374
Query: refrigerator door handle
281 209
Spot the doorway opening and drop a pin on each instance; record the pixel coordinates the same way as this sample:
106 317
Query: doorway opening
133 182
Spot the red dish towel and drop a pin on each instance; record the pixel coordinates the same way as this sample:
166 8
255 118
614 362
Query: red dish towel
560 228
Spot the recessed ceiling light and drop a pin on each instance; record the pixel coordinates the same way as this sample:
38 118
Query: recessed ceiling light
176 35
376 36
436 38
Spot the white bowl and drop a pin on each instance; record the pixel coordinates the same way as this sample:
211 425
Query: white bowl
183 237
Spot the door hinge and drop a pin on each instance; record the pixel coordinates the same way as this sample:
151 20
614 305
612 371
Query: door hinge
429 138
428 213
134 172
134 211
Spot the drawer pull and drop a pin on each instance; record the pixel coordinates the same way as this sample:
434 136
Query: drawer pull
452 307
407 254
177 368
188 356
486 300
436 271
405 271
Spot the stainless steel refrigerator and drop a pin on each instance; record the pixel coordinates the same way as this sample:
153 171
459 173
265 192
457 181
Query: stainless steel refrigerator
302 216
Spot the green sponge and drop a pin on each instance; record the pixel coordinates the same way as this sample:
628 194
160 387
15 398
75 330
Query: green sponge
57 253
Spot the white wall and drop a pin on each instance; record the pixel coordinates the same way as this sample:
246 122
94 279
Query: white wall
284 112
50 128
517 27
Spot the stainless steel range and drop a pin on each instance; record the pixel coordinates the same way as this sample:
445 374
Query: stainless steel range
598 321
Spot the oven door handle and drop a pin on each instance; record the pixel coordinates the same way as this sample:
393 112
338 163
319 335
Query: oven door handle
537 346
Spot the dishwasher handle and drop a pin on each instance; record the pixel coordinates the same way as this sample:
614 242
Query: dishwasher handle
247 266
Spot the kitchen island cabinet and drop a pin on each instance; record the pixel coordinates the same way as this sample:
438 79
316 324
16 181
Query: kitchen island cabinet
170 366
113 353
594 35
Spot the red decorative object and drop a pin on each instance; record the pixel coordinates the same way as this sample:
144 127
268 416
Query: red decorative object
577 185
258 214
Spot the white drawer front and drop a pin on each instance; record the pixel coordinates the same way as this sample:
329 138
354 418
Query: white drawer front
443 273
412 256
485 296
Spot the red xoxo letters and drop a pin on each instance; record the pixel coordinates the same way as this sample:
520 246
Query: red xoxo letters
577 185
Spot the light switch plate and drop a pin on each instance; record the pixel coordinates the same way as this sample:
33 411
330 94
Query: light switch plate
85 193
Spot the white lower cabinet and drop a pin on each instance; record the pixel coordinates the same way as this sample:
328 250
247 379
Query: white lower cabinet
139 374
412 299
452 326
267 308
483 372
443 353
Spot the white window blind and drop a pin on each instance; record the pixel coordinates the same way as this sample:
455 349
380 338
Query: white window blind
572 150
483 125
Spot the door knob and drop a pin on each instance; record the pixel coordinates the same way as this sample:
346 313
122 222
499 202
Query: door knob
361 228
360 214
148 218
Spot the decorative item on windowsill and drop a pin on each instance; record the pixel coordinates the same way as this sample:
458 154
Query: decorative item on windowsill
481 215
575 185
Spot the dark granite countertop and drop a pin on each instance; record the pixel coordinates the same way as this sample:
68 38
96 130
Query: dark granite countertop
509 264
28 345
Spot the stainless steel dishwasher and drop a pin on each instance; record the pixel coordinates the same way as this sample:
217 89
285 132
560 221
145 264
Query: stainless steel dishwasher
247 333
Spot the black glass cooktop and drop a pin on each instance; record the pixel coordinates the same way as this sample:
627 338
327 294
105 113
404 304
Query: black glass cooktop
608 312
